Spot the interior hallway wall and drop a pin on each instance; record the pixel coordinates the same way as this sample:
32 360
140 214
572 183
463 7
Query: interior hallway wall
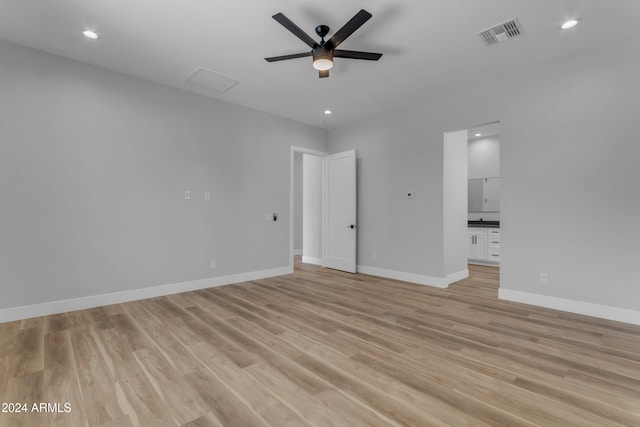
297 203
454 229
312 209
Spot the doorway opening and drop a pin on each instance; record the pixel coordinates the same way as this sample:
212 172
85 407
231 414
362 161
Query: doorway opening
306 205
484 182
324 225
471 199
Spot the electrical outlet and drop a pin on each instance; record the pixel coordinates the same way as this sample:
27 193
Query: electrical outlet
213 264
543 279
207 195
187 195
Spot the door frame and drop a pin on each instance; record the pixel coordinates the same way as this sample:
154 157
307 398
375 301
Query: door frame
292 154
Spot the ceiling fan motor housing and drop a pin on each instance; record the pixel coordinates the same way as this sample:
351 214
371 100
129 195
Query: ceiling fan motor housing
322 53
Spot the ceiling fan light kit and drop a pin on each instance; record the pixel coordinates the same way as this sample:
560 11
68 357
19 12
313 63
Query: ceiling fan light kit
324 51
322 55
322 61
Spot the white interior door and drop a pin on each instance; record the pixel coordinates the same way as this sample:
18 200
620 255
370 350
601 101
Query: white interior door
339 231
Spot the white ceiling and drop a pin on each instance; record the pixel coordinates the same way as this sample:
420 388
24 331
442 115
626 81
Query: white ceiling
430 48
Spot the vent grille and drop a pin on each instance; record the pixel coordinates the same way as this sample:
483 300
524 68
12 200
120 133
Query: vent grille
211 80
501 32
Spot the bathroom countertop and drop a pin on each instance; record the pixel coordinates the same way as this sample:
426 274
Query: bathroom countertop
487 224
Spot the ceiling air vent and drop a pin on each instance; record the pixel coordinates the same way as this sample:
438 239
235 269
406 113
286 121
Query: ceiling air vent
501 32
211 80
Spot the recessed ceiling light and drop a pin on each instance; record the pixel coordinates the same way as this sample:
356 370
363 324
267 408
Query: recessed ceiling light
478 134
570 24
327 112
90 34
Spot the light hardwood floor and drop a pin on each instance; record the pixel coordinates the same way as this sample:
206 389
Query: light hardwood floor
324 348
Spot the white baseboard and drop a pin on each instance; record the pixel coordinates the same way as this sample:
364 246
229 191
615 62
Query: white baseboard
438 282
579 307
485 263
311 260
454 277
297 251
62 306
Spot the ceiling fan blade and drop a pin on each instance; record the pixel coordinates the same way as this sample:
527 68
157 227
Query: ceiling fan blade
285 57
297 31
353 54
348 28
323 73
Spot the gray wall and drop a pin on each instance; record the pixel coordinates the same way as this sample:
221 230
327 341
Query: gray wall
93 169
312 210
484 157
398 152
454 227
297 203
570 177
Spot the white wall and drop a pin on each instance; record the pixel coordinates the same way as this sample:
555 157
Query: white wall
93 169
297 203
484 157
397 152
570 178
455 204
571 181
312 209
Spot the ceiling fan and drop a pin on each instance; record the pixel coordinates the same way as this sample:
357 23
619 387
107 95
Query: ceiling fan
324 52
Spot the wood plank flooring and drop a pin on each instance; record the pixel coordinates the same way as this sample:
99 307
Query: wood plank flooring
323 348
